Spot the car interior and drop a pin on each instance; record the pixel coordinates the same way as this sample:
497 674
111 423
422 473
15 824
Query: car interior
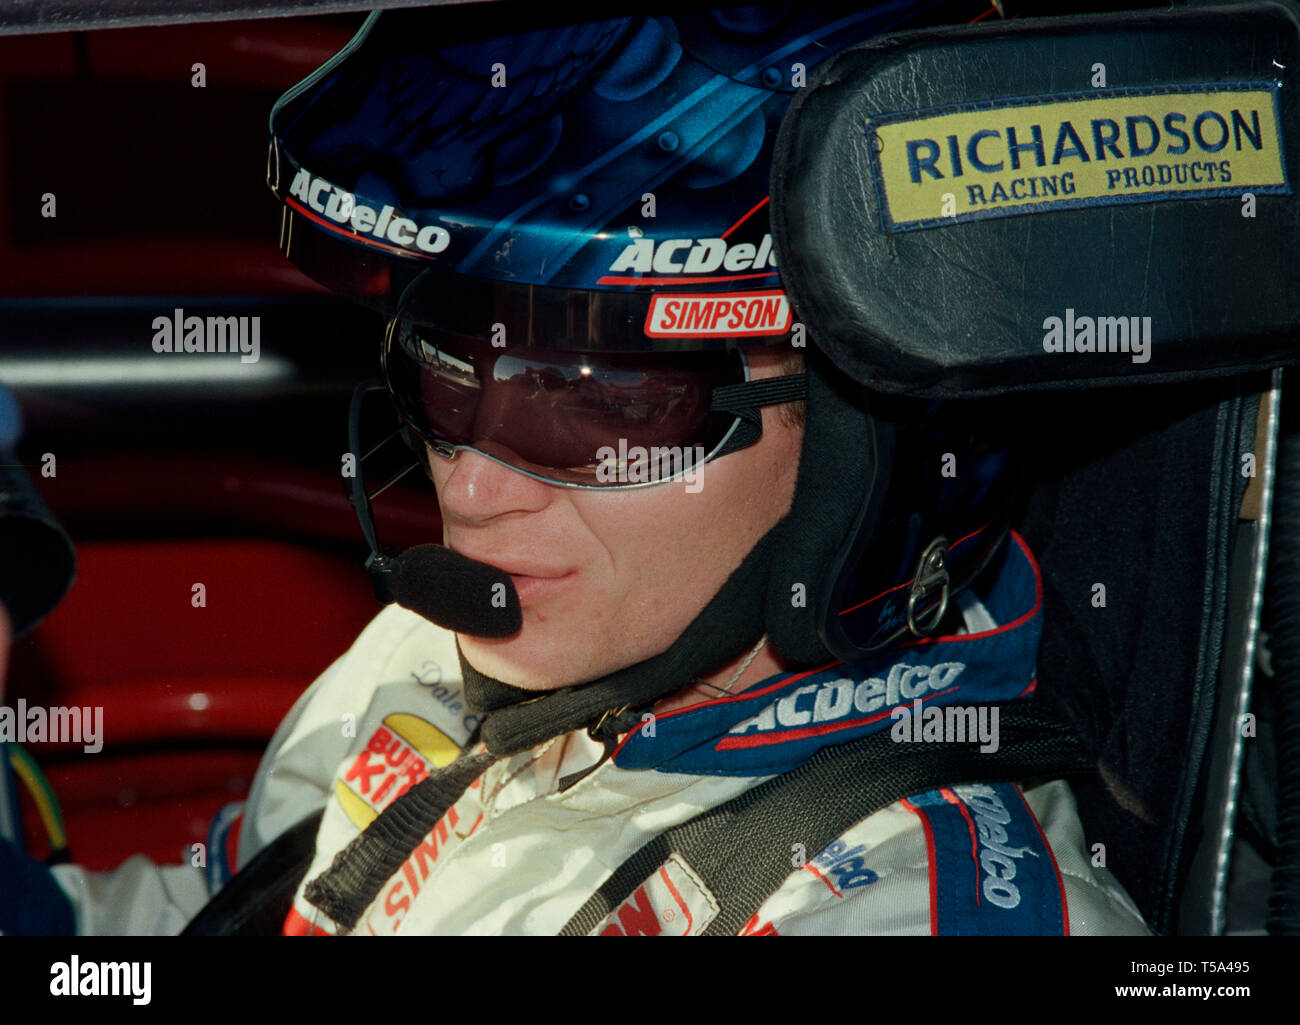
219 562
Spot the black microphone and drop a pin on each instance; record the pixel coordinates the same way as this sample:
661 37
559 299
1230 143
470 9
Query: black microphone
457 593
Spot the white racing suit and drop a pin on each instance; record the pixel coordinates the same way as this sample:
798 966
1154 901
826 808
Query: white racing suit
516 855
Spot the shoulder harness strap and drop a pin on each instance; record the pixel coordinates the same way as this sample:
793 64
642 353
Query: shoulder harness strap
731 847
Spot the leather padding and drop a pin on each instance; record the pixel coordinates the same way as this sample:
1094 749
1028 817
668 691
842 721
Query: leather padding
959 307
843 472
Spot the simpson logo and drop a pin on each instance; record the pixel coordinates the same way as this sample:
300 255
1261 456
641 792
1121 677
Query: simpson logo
1039 153
728 314
672 902
398 755
386 914
341 207
835 701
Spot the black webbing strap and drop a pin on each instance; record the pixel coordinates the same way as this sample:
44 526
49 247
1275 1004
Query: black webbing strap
359 871
255 901
745 401
741 850
766 391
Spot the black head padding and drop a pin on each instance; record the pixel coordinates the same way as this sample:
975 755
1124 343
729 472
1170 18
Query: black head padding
973 210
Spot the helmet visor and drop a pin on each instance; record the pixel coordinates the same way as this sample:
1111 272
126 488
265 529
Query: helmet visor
578 419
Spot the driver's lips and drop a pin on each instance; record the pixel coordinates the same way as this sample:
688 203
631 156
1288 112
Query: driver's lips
533 590
534 581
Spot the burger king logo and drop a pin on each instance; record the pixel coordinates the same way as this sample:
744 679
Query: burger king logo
400 753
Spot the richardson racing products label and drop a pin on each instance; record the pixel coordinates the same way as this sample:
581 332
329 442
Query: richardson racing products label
1020 156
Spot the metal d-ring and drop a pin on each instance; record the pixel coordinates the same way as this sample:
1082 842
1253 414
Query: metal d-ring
931 575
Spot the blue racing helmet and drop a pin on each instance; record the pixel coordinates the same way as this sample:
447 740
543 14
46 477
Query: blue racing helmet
564 186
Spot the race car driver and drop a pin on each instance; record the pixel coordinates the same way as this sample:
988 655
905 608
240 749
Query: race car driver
650 498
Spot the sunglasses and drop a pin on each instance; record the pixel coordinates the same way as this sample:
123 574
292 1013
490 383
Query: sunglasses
577 419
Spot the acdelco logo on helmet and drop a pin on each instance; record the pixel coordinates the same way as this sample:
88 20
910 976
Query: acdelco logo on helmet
386 223
693 256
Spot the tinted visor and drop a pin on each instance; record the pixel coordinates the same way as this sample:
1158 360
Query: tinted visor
575 418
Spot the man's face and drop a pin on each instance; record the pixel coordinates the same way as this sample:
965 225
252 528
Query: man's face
607 579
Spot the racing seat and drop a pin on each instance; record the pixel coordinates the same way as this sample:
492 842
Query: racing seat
950 206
